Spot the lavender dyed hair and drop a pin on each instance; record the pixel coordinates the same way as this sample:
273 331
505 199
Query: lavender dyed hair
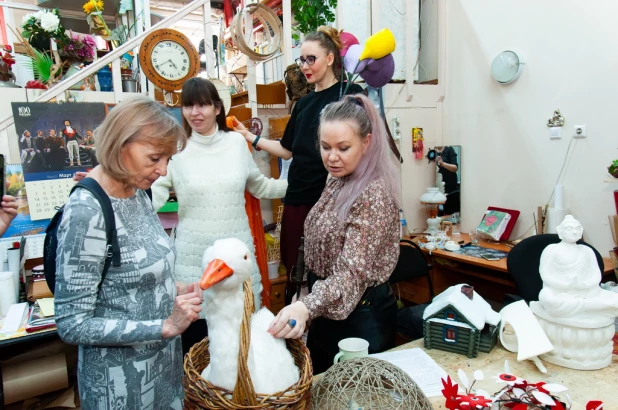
377 162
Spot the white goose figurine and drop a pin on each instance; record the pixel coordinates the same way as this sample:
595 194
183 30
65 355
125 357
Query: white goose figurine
227 264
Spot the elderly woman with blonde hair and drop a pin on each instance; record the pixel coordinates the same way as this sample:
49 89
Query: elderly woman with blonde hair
127 323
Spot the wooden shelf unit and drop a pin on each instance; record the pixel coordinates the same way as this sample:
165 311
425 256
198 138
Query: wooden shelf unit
267 94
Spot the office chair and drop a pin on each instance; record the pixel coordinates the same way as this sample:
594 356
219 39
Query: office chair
412 263
523 262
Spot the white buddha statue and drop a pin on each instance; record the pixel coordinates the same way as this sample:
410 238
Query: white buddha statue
571 278
575 312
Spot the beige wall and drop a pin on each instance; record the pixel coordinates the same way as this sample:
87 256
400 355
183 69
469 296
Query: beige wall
508 159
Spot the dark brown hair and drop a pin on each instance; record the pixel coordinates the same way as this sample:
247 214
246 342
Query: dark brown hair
200 91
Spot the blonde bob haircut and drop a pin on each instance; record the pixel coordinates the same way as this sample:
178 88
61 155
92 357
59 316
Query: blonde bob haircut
137 118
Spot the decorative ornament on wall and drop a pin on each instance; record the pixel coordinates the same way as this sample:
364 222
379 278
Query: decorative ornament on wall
507 66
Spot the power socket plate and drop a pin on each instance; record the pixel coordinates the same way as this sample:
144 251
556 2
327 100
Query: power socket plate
580 131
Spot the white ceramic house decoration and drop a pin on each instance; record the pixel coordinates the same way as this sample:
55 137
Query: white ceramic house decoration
459 320
575 312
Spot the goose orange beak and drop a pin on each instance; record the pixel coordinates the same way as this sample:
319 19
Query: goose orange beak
215 272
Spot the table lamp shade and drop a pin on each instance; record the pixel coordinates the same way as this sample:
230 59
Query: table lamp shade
433 196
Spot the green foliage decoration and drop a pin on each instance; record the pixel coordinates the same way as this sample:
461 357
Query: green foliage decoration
41 66
311 14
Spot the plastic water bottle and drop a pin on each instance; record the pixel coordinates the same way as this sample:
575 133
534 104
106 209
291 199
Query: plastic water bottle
403 229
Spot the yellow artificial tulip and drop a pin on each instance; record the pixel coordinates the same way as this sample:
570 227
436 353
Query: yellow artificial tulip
379 45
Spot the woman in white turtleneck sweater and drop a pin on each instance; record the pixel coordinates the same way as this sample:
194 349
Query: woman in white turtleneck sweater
209 178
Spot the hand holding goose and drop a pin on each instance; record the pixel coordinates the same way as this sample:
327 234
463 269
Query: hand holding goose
227 264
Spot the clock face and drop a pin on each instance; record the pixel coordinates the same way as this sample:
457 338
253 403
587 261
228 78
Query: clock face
170 60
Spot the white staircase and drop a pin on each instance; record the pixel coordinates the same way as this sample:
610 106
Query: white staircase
112 57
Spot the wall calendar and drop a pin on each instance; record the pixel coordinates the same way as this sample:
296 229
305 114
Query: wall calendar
48 195
55 141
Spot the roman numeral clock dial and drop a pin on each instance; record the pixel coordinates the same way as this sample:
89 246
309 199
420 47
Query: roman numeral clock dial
168 59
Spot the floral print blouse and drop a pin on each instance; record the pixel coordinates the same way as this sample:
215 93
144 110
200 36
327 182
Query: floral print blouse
349 256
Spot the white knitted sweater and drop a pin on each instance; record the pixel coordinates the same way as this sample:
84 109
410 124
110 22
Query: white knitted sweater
210 177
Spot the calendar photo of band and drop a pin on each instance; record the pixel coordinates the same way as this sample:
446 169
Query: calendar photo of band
55 141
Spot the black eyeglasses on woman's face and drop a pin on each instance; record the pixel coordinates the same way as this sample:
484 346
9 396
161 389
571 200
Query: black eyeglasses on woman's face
310 60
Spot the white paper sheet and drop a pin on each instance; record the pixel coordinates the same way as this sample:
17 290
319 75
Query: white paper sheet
47 306
15 317
419 366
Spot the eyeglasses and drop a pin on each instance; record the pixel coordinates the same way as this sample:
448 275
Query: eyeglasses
310 60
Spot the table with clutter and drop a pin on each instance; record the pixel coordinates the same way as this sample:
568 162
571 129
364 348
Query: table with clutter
583 386
489 277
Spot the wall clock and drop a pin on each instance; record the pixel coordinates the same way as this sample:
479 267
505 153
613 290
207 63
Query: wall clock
168 59
507 66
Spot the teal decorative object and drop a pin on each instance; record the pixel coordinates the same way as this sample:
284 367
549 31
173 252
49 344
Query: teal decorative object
104 75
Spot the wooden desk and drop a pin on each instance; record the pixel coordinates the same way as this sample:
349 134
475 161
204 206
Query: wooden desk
489 278
583 385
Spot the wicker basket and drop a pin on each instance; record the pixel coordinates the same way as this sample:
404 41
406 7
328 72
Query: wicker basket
200 394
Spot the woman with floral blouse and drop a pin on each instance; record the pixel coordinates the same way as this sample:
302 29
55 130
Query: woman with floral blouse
351 238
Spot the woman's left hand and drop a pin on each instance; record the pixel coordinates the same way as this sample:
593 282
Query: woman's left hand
281 326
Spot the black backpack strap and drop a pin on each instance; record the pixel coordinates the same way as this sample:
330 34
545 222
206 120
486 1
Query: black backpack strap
113 249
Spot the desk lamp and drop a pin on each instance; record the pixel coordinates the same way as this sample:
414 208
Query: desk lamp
432 200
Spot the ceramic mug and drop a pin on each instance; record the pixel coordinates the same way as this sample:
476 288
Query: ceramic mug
350 348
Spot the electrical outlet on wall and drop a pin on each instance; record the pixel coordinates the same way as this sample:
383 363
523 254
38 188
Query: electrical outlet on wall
580 131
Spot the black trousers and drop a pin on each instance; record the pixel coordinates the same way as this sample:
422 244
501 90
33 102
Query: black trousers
375 322
194 334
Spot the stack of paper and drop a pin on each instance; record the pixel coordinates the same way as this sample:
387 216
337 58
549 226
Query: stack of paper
37 320
419 366
47 306
14 318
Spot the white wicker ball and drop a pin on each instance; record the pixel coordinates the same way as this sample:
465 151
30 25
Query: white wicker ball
367 383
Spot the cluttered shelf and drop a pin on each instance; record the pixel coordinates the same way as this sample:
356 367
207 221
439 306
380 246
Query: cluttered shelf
22 336
267 94
33 318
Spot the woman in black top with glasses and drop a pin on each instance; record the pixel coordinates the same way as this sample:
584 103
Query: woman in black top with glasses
320 62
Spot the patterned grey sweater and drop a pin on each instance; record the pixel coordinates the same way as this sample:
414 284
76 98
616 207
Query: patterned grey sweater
123 362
